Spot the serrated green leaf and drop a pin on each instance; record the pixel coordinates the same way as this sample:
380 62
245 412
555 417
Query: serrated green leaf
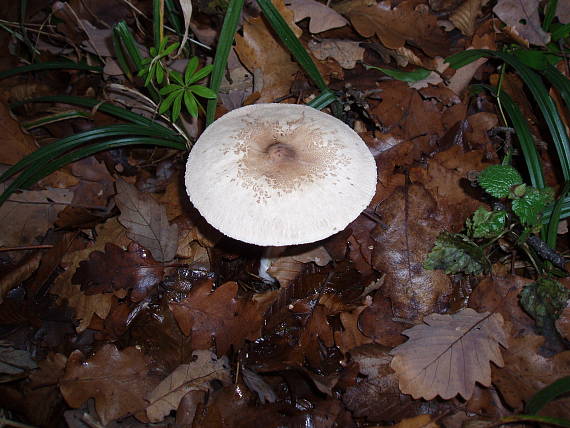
532 205
191 104
497 180
544 300
177 106
190 68
404 76
202 91
456 253
486 224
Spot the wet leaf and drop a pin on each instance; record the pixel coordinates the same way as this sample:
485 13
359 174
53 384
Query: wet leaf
448 354
455 253
322 18
118 380
14 361
117 269
345 52
524 18
218 315
544 300
146 222
194 376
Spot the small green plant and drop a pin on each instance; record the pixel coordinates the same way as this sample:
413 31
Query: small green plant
184 90
153 68
517 217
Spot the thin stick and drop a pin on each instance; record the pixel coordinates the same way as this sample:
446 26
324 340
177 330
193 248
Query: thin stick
29 247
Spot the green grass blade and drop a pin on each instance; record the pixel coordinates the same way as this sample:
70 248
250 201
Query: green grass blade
292 42
53 118
564 210
549 14
530 154
55 65
105 107
59 147
548 394
539 92
324 99
225 42
534 418
125 36
554 218
33 175
174 18
120 54
560 82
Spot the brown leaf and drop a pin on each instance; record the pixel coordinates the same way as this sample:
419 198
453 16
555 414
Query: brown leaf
15 144
377 397
146 222
322 18
118 380
376 322
411 223
269 62
115 269
27 216
563 12
465 16
345 52
285 269
394 26
351 336
218 314
194 376
523 16
526 372
563 323
18 275
448 354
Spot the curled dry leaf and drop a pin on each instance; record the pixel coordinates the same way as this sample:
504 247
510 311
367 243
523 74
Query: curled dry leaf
146 222
448 354
118 380
285 269
345 52
523 16
194 376
322 18
465 16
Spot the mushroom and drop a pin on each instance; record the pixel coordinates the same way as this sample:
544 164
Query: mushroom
280 174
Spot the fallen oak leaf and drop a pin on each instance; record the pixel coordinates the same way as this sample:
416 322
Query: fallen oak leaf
114 269
118 380
523 17
146 222
448 354
194 376
218 314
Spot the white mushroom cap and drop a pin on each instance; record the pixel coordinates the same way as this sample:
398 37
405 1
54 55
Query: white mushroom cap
280 174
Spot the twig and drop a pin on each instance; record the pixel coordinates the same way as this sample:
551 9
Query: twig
28 247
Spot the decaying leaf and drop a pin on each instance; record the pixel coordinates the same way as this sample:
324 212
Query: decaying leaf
345 52
15 144
146 222
117 269
218 314
523 17
186 6
14 361
285 269
448 354
465 16
322 18
118 380
194 376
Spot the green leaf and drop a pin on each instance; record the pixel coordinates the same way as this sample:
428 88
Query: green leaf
190 68
170 49
544 300
159 73
456 253
165 105
191 104
200 74
532 205
548 394
225 42
540 420
202 91
554 217
177 107
128 41
536 59
404 76
498 180
169 88
561 31
549 14
55 65
486 224
324 99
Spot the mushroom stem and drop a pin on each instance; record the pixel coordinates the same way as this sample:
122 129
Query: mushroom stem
269 254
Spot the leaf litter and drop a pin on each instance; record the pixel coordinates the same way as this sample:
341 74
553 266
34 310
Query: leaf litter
138 313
